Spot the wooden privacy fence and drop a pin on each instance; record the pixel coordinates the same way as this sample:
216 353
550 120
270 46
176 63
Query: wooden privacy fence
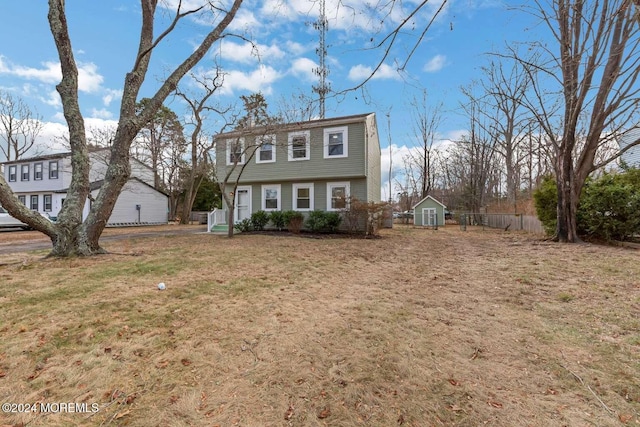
529 223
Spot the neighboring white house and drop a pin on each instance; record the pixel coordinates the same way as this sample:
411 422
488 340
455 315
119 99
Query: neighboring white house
42 182
631 157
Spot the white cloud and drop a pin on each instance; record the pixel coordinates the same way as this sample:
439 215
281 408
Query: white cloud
436 63
361 72
52 99
101 114
258 80
247 53
303 69
89 80
111 95
245 20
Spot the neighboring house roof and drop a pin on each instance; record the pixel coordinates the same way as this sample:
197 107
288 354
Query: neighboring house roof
96 185
295 125
429 197
632 155
65 154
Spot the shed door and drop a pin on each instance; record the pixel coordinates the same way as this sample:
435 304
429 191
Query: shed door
429 217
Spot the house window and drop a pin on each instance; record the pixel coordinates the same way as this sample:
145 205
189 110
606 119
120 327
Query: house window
235 151
12 173
23 200
46 202
34 202
337 195
299 146
24 173
302 197
266 149
336 142
37 171
53 170
271 197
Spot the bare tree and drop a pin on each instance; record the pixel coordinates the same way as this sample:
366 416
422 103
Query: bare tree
20 126
71 235
504 88
594 67
253 131
200 143
423 154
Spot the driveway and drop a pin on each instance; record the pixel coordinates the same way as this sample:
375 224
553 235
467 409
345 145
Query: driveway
13 240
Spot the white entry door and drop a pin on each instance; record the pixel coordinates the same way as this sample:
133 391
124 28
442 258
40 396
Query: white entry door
429 217
243 203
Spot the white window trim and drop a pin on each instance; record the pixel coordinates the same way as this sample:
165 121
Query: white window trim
44 202
330 185
35 171
263 199
228 155
426 214
273 148
54 171
22 169
15 173
307 135
248 189
294 202
345 142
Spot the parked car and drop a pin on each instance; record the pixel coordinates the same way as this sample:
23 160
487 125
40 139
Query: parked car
7 220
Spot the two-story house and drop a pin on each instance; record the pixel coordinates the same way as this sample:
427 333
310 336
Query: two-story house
301 166
41 183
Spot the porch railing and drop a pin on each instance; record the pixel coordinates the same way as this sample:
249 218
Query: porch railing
216 217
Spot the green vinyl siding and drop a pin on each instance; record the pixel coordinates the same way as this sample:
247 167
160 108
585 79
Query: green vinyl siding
317 167
428 203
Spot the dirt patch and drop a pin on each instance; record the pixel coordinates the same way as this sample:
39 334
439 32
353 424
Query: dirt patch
418 327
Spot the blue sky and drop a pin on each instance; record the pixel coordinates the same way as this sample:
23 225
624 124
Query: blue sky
104 36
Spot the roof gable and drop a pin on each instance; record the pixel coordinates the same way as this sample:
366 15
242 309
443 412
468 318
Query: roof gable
429 197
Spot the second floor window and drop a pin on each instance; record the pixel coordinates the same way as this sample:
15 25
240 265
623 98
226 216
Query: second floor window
335 142
235 151
37 171
24 173
53 170
12 173
266 149
299 146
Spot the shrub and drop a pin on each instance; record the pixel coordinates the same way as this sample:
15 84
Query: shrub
294 221
546 201
243 226
259 219
278 220
320 221
364 217
610 206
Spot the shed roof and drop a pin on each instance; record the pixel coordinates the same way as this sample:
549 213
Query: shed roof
432 198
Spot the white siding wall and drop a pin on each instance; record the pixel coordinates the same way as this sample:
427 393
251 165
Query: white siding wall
153 205
631 157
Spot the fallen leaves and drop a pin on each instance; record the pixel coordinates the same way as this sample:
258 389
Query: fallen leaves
324 413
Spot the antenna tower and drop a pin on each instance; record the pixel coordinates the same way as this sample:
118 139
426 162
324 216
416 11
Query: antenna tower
322 25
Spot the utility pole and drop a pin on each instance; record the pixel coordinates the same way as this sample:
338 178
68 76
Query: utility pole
322 25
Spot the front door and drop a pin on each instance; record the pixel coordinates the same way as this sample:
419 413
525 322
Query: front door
243 204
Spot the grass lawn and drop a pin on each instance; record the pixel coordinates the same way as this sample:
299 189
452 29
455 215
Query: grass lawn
416 328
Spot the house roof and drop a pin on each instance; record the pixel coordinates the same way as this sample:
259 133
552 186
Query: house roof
296 125
432 198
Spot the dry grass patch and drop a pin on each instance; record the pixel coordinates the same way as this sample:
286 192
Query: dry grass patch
416 328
